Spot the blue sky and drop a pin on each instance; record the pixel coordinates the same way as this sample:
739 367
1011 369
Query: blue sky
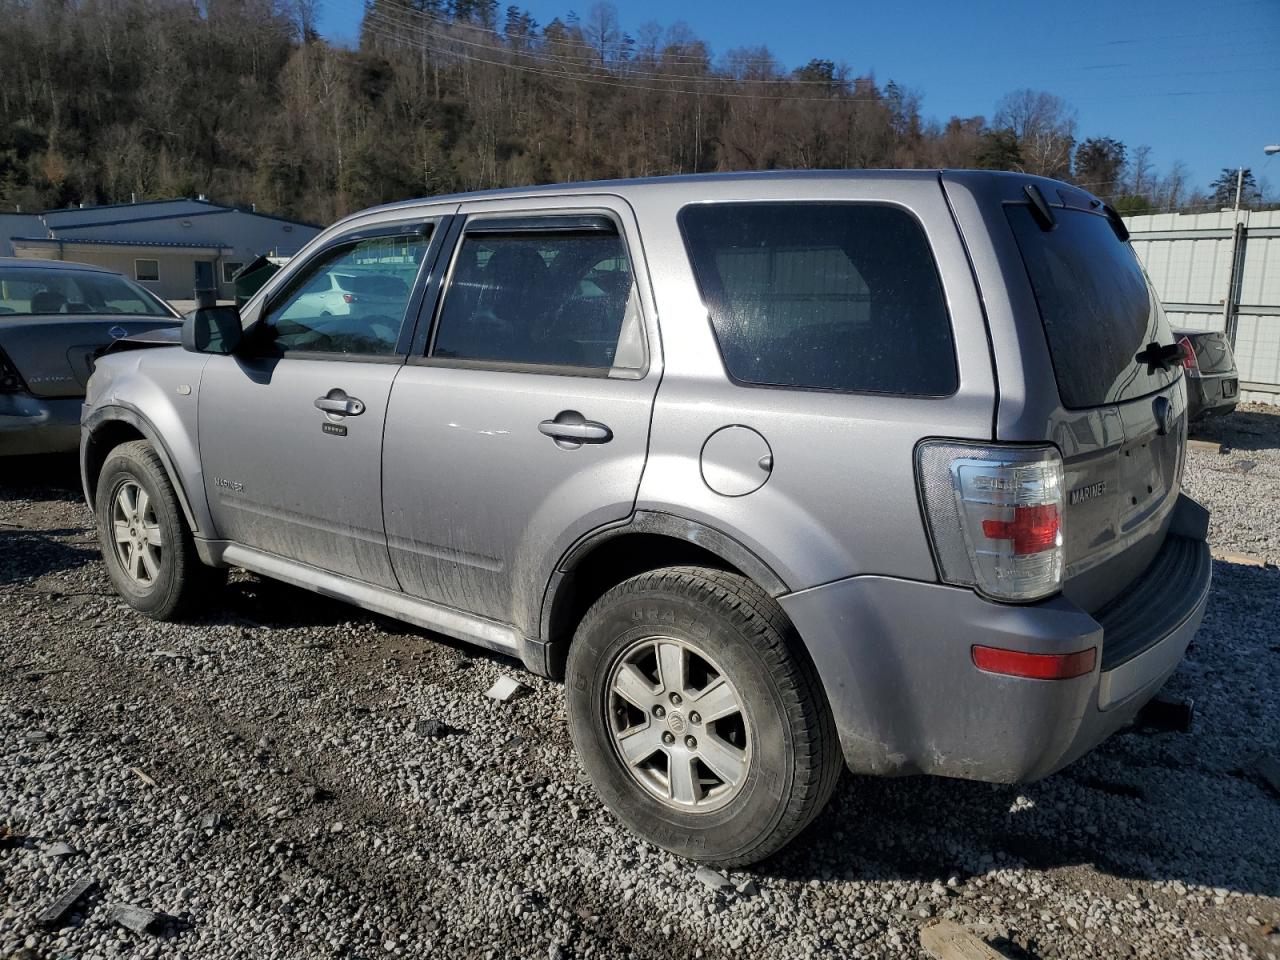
1196 81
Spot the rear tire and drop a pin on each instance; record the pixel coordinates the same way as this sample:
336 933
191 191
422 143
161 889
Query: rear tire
146 543
729 788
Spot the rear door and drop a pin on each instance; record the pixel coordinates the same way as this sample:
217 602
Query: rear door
522 423
291 426
1122 428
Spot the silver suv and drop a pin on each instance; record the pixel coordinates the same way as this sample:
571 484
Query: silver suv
780 472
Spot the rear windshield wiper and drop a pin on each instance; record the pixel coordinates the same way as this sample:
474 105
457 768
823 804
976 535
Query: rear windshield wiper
1160 356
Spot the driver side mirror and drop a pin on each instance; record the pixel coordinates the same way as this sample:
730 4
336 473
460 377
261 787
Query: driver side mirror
212 330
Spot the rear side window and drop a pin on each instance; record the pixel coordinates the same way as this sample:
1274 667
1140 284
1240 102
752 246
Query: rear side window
825 296
560 298
1097 308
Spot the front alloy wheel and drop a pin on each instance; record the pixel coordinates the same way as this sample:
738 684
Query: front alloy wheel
136 531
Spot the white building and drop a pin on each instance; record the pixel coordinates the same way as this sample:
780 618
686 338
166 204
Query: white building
172 247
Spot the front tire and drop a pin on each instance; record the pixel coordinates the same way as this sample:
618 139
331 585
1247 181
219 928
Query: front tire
698 717
146 543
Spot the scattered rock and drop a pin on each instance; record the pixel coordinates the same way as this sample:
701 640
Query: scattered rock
507 689
137 919
211 823
713 879
431 729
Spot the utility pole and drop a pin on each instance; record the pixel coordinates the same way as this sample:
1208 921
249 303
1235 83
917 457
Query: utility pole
1239 187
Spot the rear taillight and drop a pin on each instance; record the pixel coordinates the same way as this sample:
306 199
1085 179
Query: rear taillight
348 298
995 516
1189 362
10 379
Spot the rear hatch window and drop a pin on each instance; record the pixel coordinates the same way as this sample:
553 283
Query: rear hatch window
1097 308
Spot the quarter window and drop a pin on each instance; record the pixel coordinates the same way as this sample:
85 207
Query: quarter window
351 300
826 296
146 270
562 298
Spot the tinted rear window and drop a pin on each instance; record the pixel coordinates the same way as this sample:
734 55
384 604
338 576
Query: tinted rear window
827 296
1097 308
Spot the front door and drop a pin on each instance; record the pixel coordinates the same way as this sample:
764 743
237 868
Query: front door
525 424
291 427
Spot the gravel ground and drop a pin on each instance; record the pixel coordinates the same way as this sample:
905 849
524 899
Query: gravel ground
289 777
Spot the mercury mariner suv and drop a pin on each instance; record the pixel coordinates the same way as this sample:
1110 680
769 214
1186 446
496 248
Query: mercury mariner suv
780 472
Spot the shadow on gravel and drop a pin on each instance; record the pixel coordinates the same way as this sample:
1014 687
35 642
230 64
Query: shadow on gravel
30 478
1241 430
30 554
1154 806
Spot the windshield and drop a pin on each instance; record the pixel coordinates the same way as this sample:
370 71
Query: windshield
31 291
1098 310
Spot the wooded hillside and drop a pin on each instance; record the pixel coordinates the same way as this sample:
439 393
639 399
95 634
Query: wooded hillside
103 100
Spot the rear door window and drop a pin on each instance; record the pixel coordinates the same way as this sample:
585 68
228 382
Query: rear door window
825 296
1098 310
561 298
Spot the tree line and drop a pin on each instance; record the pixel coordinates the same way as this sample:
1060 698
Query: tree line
103 101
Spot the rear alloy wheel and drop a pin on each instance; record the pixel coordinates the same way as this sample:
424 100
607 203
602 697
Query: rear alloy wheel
699 717
146 543
678 724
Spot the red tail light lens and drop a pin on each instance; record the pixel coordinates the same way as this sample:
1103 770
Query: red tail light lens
1189 361
1031 530
348 298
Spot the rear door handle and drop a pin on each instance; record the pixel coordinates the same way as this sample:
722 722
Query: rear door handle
337 401
572 427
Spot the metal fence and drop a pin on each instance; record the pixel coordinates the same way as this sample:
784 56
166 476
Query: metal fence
1221 271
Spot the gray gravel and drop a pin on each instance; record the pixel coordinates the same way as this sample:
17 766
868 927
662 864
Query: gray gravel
1241 485
289 777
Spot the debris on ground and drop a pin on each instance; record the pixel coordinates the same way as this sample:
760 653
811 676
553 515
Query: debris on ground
53 914
144 777
506 689
945 940
59 849
137 919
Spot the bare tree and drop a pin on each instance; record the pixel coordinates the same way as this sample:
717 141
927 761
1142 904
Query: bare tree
1045 126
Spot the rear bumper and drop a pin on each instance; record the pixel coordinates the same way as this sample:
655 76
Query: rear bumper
895 659
30 424
1212 395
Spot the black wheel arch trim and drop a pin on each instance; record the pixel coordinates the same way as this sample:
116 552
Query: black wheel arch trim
537 652
127 413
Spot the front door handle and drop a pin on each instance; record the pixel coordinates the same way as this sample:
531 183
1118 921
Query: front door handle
570 428
337 401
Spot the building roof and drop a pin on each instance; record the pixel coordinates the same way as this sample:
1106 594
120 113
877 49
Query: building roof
63 241
213 208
